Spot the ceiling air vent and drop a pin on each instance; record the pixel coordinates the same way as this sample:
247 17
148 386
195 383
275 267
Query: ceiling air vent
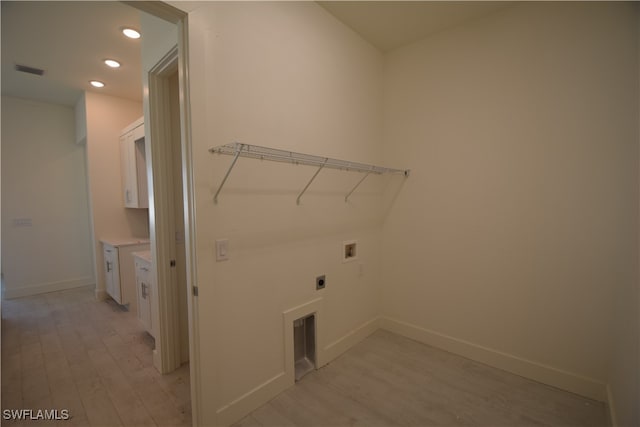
30 70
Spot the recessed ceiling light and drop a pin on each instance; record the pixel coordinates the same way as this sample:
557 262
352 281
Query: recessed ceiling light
112 63
96 83
131 33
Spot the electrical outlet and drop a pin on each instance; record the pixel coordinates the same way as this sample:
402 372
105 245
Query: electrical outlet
321 282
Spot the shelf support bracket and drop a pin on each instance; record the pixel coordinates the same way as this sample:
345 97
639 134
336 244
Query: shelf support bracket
346 198
233 163
311 180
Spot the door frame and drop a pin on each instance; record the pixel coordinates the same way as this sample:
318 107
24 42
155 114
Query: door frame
168 344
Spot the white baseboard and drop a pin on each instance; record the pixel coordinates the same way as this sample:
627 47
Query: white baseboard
611 408
43 288
269 389
546 374
258 396
352 338
240 407
101 294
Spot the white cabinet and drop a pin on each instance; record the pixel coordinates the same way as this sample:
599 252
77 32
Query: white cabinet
133 166
119 269
145 290
112 272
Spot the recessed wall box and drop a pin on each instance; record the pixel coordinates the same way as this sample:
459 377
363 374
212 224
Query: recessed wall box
349 250
304 344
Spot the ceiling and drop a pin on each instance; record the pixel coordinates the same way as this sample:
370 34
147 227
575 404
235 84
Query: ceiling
391 24
69 40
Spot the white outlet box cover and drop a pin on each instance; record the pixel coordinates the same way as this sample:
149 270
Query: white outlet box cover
222 249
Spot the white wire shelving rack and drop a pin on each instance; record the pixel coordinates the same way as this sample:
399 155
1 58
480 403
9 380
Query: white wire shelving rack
237 150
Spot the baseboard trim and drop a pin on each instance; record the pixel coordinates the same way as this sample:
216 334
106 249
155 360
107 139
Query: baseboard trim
611 408
261 394
252 399
101 295
347 341
546 374
43 288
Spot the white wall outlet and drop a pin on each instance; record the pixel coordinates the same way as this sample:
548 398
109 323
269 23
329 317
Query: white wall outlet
222 249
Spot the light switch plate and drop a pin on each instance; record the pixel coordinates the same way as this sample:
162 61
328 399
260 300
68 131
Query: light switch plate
222 249
22 222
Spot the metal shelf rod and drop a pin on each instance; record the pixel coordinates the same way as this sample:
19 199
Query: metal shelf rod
346 198
233 163
264 153
309 183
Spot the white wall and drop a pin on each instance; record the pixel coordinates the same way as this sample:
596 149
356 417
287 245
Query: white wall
513 242
44 180
624 377
106 117
283 75
519 222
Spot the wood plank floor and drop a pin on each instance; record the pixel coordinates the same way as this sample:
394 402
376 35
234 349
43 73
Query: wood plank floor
388 380
64 350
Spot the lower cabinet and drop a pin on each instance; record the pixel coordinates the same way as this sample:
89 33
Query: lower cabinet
119 270
145 290
112 272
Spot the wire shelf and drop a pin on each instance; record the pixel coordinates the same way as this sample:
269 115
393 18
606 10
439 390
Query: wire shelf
237 149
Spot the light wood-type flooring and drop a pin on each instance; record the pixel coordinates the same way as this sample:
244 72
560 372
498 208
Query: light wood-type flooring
65 350
388 380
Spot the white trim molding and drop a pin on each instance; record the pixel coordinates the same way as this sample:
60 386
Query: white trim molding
611 408
262 393
43 288
540 372
353 337
254 398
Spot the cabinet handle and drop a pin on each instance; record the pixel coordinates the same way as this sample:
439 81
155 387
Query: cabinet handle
108 266
144 290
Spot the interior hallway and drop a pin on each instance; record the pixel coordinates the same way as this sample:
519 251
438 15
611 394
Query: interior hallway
389 380
65 350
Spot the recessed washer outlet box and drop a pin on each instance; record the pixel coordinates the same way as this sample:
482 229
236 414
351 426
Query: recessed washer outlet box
304 345
349 250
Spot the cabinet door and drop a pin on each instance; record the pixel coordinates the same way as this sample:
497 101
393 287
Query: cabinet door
133 168
112 276
144 291
128 170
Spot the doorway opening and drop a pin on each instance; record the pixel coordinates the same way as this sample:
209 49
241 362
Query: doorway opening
169 213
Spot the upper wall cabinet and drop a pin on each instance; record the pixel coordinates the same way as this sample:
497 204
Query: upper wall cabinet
133 166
